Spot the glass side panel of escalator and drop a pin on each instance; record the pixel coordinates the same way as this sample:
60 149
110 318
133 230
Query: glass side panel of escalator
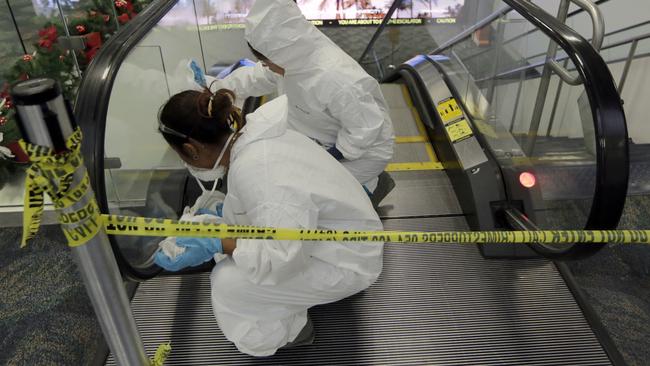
144 177
497 76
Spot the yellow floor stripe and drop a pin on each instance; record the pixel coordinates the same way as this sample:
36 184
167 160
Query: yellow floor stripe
410 139
415 166
420 125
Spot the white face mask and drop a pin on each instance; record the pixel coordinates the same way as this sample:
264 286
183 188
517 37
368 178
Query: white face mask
215 174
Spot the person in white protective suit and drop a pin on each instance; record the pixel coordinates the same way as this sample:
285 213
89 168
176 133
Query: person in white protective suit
332 99
276 177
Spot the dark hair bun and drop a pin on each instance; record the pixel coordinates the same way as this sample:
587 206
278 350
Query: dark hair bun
222 102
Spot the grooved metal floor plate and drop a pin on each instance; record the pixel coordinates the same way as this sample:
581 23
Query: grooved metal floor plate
408 153
403 121
434 305
420 194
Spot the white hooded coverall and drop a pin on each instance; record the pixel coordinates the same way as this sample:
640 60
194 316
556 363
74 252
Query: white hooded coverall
331 98
279 178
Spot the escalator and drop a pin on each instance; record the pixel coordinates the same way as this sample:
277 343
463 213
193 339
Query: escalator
456 168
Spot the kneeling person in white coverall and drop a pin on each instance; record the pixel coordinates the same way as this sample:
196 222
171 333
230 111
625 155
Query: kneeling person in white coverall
276 178
332 100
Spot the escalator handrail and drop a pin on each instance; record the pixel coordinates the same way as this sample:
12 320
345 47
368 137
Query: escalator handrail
91 109
612 153
610 127
380 29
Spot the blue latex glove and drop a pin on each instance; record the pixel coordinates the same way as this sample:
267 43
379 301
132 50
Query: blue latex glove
199 76
206 211
335 153
197 251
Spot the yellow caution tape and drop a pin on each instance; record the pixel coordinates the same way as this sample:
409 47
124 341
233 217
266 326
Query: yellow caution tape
63 177
161 355
143 226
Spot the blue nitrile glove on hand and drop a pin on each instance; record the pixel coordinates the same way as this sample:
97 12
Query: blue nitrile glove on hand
207 211
335 153
197 251
199 76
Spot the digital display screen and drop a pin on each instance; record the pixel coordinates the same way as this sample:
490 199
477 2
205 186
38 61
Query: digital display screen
220 14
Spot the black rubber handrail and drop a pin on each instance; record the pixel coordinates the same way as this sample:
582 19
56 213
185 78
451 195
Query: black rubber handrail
380 29
91 109
612 155
610 127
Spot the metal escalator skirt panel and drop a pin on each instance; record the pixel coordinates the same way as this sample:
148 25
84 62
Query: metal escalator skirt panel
434 305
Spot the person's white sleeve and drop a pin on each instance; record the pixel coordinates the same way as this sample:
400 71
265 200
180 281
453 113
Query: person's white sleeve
269 262
247 81
361 121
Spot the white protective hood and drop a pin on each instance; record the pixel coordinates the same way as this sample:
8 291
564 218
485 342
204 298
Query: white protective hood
278 30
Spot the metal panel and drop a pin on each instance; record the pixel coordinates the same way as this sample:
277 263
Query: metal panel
394 95
407 153
444 223
441 305
420 194
403 121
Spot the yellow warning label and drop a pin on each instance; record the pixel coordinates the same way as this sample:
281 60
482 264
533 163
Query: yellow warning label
449 110
459 130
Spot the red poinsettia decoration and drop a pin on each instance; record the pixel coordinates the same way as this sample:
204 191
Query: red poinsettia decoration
123 18
47 37
124 5
93 42
45 43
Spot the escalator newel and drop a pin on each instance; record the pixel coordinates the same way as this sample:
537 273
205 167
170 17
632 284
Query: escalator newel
52 141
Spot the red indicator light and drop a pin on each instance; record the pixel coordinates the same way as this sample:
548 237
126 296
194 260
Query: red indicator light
527 179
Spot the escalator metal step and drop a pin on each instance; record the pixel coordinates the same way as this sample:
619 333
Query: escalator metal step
435 305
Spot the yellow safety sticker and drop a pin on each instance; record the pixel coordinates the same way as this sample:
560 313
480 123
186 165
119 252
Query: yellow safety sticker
143 226
449 110
459 130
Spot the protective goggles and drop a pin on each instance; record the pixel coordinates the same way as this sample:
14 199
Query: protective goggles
170 131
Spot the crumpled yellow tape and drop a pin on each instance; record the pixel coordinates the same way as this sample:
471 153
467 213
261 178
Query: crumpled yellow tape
53 173
161 355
